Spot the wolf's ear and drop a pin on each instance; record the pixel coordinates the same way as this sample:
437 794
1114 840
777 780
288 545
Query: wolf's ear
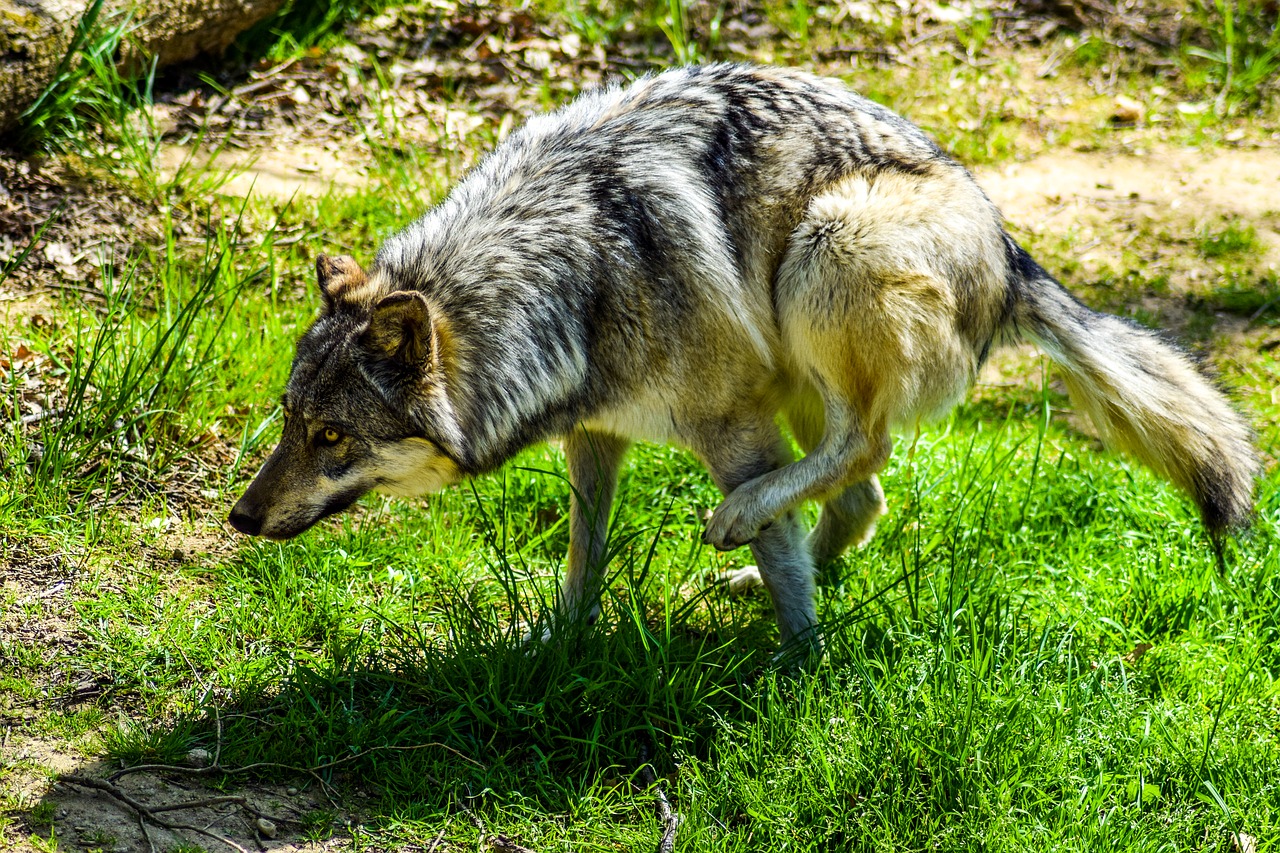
400 328
341 281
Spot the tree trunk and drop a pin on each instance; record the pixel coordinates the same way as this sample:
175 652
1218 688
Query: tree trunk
35 34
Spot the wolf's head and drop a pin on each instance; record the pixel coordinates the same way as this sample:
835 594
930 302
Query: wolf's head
365 407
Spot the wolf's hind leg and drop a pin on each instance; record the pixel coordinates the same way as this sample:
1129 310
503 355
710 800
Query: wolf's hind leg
869 305
848 453
848 518
593 460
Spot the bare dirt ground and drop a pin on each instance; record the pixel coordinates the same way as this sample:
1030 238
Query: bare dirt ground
1071 190
252 816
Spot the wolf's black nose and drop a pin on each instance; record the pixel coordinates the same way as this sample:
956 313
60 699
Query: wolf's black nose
244 522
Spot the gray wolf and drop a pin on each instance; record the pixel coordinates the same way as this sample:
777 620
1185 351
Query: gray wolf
692 258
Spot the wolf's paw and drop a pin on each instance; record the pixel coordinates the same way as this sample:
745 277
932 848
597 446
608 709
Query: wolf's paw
736 522
801 655
739 581
533 635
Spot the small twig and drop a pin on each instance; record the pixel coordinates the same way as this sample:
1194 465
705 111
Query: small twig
46 414
215 769
271 765
1253 318
210 801
217 741
435 842
475 818
497 842
921 38
670 820
261 81
92 293
146 833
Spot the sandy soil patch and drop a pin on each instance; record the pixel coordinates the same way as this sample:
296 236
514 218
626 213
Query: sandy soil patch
1068 190
303 169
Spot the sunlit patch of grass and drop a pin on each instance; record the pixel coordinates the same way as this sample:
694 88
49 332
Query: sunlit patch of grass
1255 297
1242 60
1231 240
980 650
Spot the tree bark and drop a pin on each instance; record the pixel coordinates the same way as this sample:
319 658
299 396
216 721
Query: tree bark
35 35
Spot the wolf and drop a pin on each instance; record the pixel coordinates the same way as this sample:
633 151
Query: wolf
695 258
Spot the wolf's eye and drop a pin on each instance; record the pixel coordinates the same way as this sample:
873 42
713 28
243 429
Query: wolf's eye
329 436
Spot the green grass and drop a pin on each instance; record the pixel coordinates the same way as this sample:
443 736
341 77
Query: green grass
1232 240
1036 651
1241 59
979 690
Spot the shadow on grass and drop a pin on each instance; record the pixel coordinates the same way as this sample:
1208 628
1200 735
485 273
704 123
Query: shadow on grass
437 724
993 667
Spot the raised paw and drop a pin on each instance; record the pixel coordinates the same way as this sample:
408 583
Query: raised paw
736 522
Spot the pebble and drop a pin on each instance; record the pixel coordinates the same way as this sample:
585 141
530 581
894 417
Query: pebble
267 828
1127 110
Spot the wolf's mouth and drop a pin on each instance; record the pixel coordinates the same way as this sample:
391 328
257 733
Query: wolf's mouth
338 503
291 526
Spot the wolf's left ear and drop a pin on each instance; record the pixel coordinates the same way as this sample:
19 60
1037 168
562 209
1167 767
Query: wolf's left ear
400 328
342 280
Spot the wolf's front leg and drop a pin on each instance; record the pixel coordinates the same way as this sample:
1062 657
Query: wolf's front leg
593 460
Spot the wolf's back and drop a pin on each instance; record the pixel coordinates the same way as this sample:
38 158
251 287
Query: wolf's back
1144 396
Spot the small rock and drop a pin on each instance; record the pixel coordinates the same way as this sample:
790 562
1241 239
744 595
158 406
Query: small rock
1127 110
266 828
293 792
199 757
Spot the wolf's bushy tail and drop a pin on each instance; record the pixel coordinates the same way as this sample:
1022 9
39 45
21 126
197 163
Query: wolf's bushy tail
1144 396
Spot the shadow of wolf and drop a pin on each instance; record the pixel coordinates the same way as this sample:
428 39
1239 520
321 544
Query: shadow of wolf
682 260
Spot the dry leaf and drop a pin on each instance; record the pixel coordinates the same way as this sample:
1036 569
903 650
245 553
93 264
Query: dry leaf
1136 654
1243 842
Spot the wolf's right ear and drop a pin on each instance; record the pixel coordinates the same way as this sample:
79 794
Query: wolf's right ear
342 281
401 329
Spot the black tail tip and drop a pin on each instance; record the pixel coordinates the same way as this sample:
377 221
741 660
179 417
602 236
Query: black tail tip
1224 517
1224 492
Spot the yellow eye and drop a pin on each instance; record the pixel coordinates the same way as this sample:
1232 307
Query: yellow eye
329 435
